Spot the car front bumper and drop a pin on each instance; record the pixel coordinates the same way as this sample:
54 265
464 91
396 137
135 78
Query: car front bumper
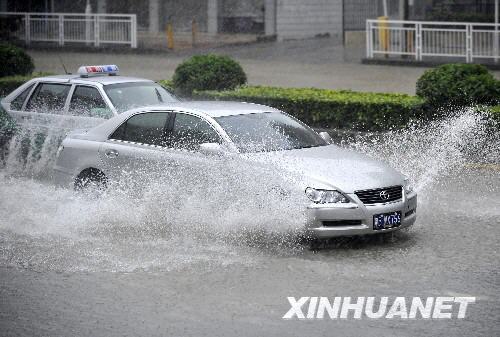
62 178
327 221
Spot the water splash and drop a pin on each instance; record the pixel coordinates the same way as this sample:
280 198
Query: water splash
230 216
427 151
32 152
153 219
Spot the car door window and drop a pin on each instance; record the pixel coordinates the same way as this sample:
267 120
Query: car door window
146 128
87 101
49 98
17 103
190 131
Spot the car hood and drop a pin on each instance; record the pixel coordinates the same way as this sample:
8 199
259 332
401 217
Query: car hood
333 167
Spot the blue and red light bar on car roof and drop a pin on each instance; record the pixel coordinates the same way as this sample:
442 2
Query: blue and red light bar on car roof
86 71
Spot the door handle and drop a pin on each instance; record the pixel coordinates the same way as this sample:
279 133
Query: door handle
111 153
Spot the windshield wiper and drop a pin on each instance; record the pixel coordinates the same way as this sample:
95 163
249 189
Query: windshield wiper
158 96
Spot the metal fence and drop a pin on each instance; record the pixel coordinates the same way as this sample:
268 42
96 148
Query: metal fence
419 39
92 29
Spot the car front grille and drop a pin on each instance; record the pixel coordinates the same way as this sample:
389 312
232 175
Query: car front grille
380 195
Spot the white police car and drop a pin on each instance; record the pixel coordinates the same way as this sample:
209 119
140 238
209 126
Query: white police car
81 100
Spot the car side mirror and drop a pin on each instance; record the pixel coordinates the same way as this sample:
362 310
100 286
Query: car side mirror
212 149
326 137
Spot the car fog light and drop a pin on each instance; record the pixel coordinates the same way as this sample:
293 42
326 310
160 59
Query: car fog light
325 196
408 186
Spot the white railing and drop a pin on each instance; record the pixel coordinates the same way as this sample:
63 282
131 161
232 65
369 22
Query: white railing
419 39
91 29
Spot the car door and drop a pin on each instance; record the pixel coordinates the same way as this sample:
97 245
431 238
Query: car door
45 105
48 99
189 167
159 145
38 137
61 107
134 150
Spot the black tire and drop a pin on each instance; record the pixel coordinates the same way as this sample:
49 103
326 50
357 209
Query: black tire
91 180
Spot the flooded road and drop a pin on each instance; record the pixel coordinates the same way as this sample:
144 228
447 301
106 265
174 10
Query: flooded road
74 265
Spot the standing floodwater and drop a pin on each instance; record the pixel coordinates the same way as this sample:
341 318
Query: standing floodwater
168 259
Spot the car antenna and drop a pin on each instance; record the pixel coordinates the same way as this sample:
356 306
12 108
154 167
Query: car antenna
64 67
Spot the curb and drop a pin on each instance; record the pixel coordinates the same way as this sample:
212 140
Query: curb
413 63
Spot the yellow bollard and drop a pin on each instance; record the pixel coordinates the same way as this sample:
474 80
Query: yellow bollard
383 33
409 42
194 32
170 36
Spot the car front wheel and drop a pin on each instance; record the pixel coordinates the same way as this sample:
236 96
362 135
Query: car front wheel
91 180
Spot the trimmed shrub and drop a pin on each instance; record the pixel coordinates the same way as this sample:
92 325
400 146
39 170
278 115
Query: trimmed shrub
208 72
329 108
458 85
14 61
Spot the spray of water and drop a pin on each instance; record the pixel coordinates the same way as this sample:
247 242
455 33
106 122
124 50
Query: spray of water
161 220
428 151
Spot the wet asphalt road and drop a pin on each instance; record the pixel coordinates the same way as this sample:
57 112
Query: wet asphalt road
320 63
451 251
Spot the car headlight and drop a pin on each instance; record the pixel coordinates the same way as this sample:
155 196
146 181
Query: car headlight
325 196
408 186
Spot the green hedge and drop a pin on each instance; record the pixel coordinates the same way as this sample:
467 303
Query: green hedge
9 83
495 112
167 84
329 108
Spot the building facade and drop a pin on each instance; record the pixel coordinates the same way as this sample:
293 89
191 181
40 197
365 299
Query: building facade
283 19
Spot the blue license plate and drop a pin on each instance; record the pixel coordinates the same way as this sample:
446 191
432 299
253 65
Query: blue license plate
386 220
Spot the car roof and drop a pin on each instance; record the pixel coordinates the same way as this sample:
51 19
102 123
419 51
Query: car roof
209 108
201 108
103 79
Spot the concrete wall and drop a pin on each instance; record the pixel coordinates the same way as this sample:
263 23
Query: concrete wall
296 19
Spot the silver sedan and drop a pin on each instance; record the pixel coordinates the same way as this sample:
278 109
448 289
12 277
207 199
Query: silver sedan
346 193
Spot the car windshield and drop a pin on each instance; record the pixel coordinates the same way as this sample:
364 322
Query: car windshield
126 96
270 131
